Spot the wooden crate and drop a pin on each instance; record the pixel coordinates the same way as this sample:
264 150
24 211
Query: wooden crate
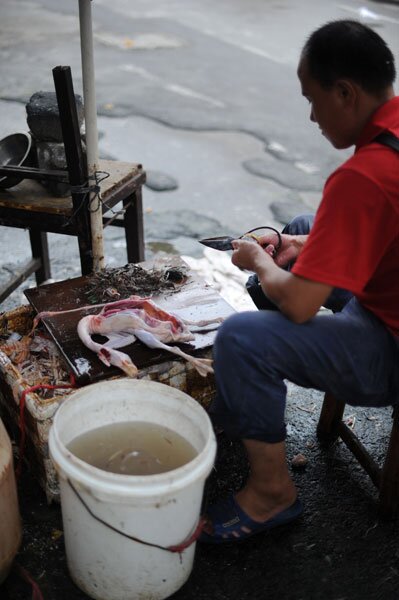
39 413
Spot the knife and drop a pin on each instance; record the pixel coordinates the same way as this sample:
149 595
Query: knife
224 242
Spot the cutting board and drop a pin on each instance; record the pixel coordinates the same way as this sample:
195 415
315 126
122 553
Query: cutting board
194 300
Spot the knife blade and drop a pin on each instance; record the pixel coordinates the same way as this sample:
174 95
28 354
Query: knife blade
222 242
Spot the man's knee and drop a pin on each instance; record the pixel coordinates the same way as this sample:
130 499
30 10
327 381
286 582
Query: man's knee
235 328
249 337
300 225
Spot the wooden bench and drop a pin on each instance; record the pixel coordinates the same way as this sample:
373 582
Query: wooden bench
386 479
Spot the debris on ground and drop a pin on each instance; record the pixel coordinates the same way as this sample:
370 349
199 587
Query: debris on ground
299 461
122 282
350 421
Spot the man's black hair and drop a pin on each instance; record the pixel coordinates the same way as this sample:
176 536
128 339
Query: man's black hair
349 50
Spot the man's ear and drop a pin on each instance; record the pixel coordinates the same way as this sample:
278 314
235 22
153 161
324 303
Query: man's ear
347 91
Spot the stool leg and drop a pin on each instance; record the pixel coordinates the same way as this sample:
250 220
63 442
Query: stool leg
389 487
134 229
39 246
330 417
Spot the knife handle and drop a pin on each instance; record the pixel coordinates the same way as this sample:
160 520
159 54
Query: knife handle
250 237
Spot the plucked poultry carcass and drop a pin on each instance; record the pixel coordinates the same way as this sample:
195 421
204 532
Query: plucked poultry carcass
124 321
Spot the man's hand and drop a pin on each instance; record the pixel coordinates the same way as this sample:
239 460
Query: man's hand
249 255
291 247
297 298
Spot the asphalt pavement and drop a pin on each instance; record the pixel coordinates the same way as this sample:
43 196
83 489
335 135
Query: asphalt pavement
204 94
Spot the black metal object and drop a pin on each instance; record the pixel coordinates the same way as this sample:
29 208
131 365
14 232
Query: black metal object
16 151
35 173
75 162
18 162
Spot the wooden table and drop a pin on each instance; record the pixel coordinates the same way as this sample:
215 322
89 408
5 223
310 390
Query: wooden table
29 206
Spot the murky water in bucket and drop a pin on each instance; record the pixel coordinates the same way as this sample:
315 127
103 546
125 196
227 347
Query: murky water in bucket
133 448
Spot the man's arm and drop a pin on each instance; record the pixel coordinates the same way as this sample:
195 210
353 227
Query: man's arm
297 298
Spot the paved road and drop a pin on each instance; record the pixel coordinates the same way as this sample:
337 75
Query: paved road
202 92
205 93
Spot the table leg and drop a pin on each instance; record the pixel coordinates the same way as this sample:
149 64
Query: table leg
134 227
39 246
85 250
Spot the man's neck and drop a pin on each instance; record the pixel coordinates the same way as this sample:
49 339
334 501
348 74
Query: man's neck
370 104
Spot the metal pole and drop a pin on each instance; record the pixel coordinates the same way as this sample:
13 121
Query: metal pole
89 93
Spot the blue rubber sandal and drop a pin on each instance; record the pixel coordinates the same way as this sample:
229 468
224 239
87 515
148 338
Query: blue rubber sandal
231 524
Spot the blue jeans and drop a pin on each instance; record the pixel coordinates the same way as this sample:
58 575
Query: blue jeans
349 353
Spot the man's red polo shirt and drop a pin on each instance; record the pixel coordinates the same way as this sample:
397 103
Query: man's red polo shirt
354 243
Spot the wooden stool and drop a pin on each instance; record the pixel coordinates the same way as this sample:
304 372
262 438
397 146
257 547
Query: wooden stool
29 206
386 479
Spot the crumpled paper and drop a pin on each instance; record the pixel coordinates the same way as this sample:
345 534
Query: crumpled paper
218 271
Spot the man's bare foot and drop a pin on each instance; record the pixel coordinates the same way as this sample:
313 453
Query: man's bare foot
261 508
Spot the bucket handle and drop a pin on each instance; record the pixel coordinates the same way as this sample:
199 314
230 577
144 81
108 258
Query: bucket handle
175 548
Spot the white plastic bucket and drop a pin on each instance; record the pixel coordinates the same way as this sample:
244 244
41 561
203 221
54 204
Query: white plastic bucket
161 509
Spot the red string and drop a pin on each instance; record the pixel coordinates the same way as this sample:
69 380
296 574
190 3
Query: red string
22 427
176 548
23 573
190 540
